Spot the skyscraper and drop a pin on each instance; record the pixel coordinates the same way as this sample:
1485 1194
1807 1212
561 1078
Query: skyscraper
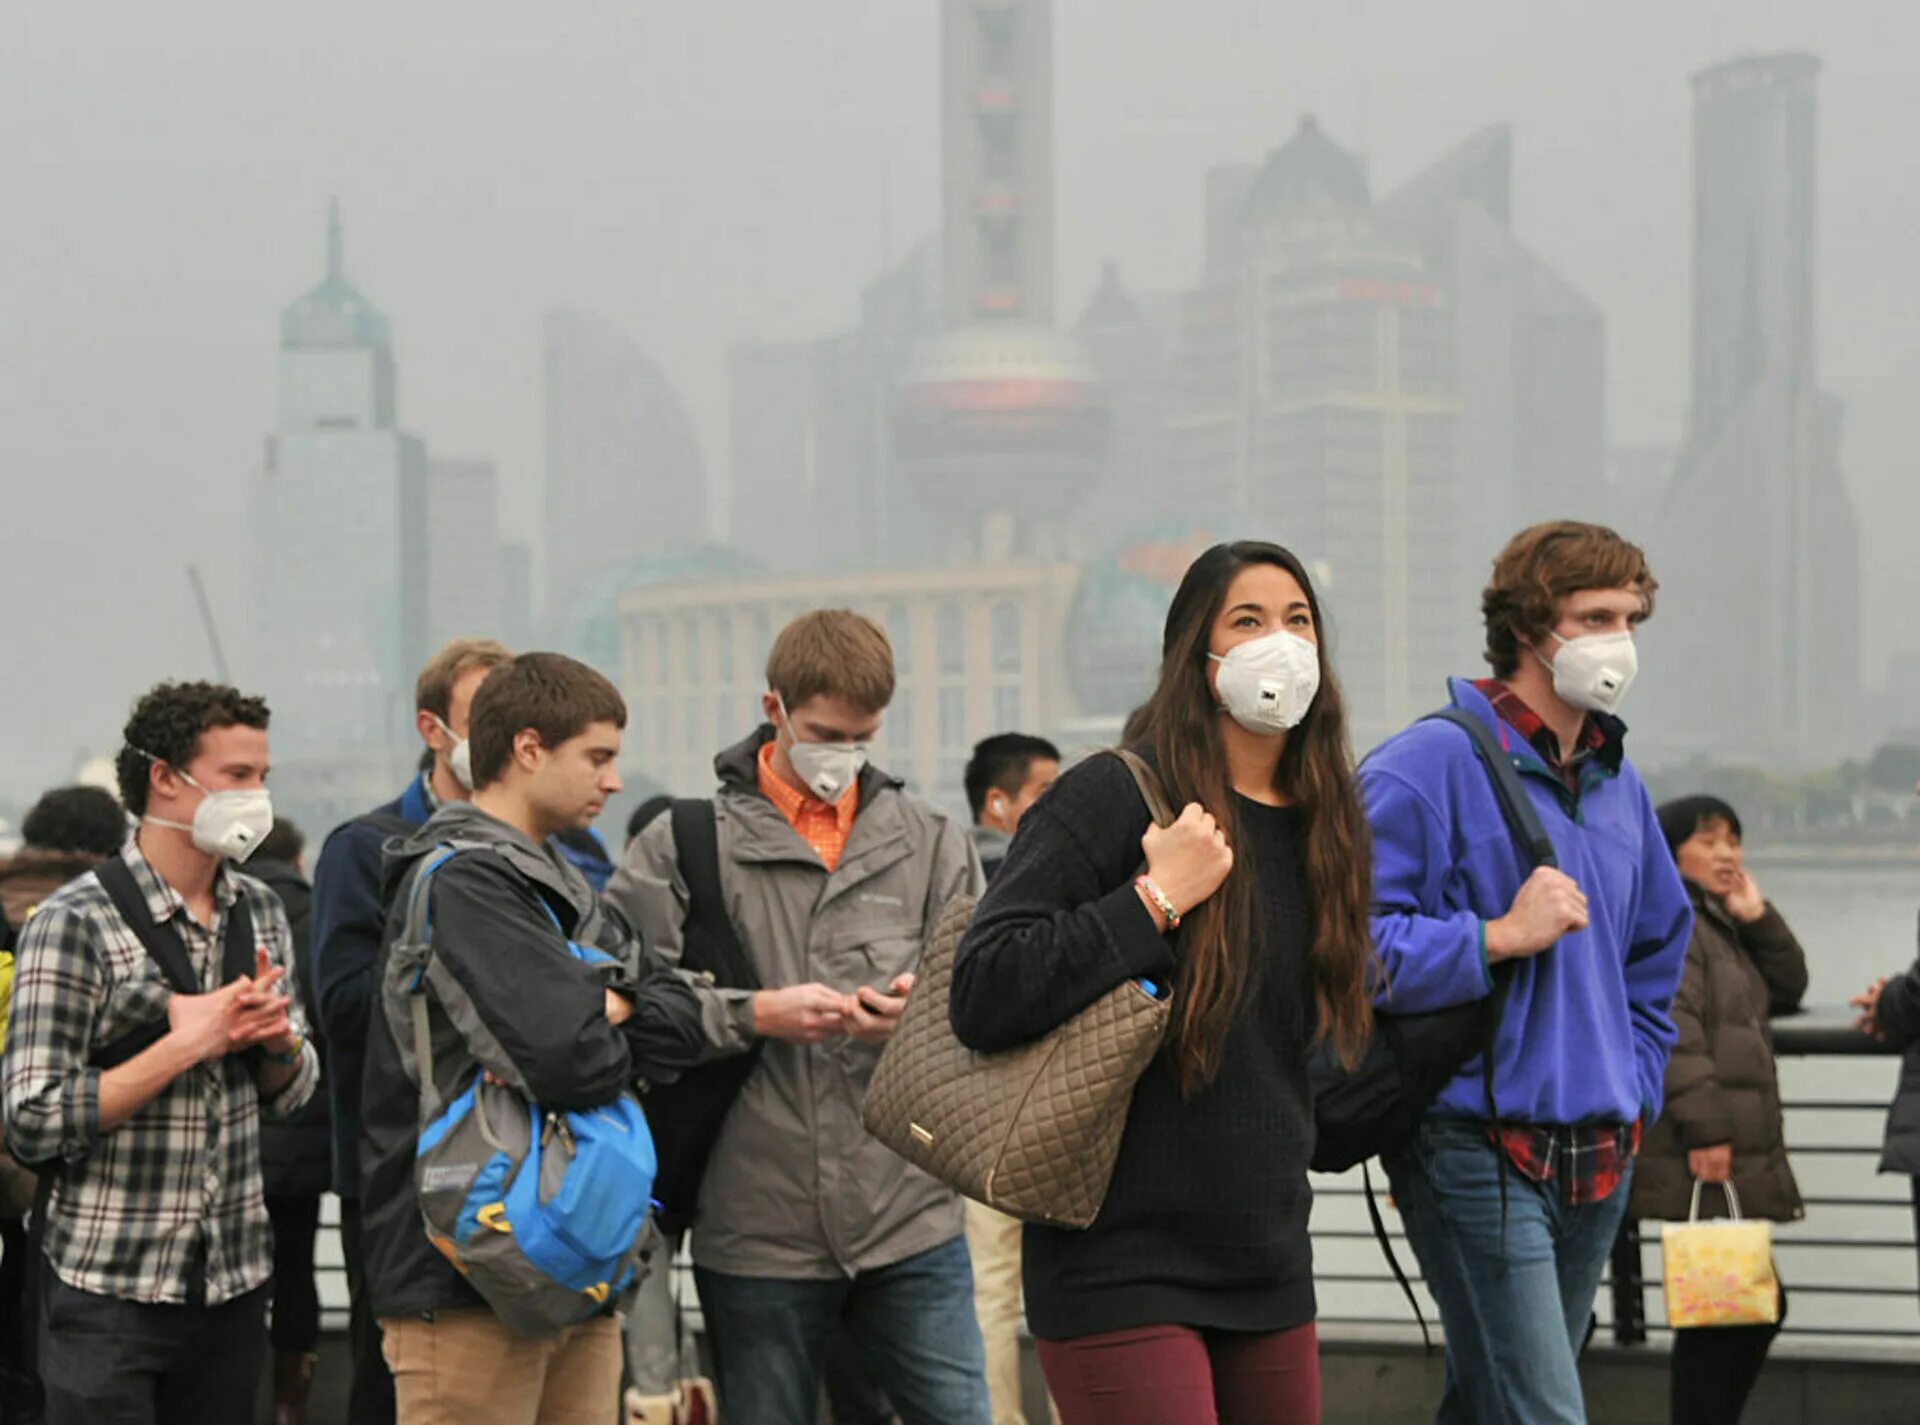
1315 406
996 86
1759 548
1127 341
811 448
339 529
624 477
1000 428
1529 361
464 564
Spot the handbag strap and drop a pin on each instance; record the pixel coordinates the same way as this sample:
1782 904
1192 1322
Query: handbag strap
1733 1201
1148 781
1516 807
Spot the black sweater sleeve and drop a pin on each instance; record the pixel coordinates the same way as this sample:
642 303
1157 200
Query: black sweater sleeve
547 1010
1061 924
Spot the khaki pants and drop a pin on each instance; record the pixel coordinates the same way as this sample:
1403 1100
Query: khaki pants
465 1368
993 1241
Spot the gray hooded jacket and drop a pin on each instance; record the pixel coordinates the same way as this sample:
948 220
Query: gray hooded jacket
796 1187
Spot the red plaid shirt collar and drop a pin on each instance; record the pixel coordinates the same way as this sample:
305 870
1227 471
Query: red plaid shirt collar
1587 1160
1511 709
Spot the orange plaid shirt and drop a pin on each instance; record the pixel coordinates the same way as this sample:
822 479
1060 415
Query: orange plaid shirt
822 825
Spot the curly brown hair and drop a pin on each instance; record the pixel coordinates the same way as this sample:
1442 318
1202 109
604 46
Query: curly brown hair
1544 564
166 725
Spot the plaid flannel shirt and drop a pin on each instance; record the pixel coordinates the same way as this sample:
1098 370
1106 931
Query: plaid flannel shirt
1586 1160
176 1186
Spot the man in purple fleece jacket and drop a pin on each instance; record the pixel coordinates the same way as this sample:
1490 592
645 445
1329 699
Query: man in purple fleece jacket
1512 1206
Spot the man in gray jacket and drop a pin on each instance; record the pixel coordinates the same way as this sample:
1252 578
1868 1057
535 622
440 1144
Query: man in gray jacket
832 877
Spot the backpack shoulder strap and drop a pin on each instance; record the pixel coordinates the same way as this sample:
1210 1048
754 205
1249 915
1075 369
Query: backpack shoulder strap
1523 820
236 952
417 930
696 841
1148 781
1516 807
161 942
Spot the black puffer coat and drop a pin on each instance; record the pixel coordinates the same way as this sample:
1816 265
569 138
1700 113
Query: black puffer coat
1898 1017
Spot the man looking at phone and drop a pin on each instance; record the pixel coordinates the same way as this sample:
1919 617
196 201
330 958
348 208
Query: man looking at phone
833 878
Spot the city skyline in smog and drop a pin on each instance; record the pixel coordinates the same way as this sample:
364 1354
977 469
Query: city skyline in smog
703 181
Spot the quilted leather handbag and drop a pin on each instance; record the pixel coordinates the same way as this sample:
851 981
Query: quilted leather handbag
1033 1131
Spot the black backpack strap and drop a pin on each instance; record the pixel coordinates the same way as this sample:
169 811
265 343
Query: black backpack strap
1393 1260
1523 820
712 943
161 942
236 951
1516 807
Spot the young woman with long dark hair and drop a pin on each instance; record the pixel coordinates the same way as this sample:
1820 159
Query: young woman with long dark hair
1190 1299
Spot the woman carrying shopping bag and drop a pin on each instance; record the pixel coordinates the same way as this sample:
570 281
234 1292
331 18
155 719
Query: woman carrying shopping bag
1722 1125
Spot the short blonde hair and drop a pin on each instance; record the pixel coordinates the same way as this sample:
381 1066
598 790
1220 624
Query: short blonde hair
433 690
835 652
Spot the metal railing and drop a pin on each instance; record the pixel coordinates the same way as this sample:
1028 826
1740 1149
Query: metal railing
1849 1268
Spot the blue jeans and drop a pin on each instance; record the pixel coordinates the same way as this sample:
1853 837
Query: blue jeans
913 1323
1515 1305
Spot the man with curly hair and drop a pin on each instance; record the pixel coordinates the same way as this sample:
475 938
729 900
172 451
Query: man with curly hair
1513 1186
151 1027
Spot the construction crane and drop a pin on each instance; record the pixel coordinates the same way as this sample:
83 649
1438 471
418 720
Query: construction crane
206 622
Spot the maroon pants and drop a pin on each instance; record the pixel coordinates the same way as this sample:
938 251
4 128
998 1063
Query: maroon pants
1174 1375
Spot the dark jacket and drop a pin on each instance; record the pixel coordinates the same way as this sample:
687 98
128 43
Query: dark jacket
349 920
1722 1086
296 1155
544 1012
1898 1017
30 876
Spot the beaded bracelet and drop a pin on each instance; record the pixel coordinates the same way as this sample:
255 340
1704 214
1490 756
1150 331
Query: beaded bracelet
1159 898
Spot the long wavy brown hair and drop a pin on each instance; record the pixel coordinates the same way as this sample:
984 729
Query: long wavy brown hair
1180 726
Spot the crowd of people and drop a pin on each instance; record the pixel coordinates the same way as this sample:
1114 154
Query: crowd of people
199 1042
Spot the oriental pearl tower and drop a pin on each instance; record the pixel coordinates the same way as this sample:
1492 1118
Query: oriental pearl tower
1000 427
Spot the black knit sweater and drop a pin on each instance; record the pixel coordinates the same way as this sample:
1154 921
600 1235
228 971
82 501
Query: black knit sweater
1205 1223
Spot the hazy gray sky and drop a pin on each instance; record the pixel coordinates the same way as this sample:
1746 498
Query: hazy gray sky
707 173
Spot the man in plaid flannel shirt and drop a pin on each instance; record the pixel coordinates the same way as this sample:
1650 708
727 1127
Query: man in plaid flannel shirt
1512 1205
157 1246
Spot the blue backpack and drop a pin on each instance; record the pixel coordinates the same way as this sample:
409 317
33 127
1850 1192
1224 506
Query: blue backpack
545 1213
